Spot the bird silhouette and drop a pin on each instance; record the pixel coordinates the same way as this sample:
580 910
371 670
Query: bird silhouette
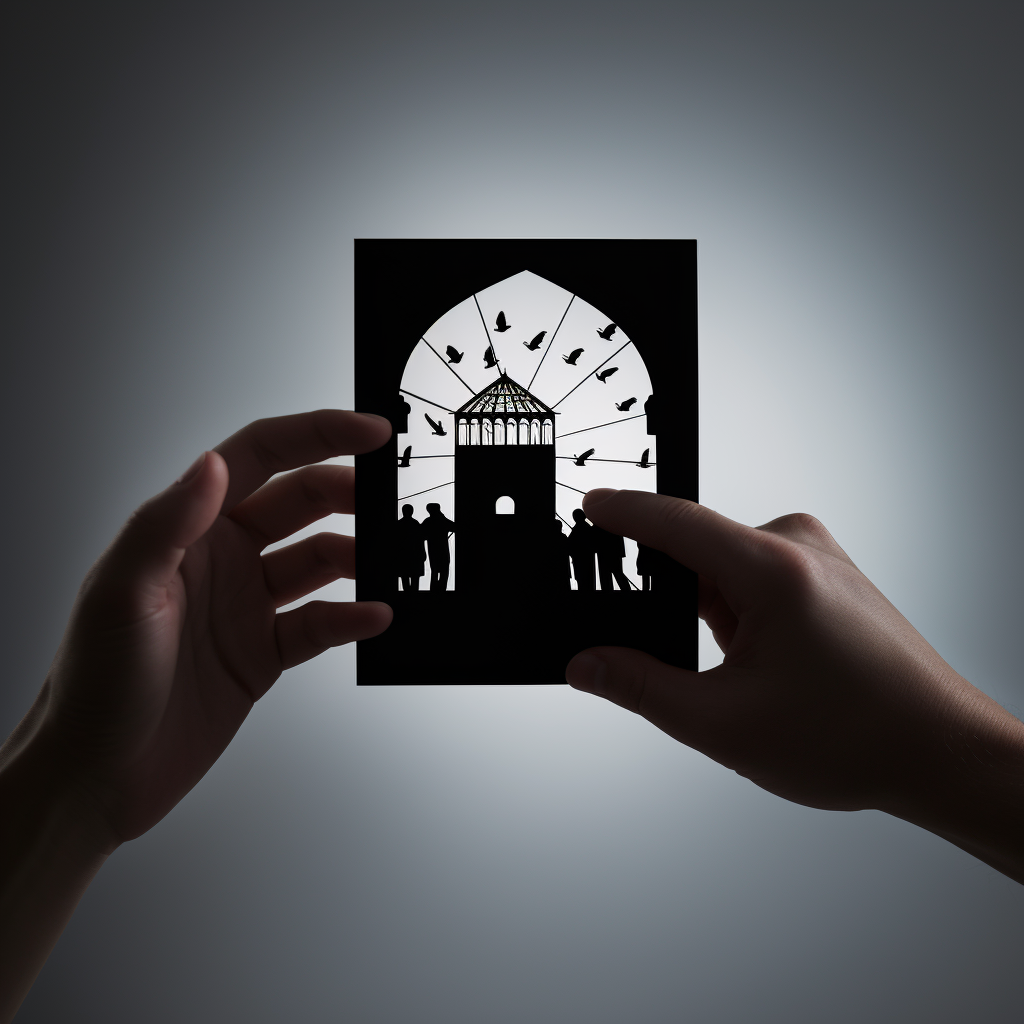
643 463
573 356
603 377
581 460
489 359
436 427
607 332
535 344
403 462
499 324
626 405
454 355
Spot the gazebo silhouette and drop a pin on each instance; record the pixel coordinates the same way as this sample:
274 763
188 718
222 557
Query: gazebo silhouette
505 490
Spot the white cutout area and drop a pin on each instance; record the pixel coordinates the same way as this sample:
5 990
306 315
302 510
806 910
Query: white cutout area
505 506
560 349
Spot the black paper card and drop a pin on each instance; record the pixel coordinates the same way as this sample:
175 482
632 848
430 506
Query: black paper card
519 374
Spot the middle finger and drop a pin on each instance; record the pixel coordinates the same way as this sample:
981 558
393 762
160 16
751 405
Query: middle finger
294 500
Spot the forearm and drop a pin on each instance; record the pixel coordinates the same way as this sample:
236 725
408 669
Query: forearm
967 785
50 849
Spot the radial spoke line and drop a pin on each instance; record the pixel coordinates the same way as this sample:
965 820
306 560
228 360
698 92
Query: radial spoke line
434 488
440 457
529 387
564 520
567 487
427 400
446 363
572 458
596 368
610 423
487 331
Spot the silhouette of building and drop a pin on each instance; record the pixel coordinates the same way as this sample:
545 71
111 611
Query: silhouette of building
505 491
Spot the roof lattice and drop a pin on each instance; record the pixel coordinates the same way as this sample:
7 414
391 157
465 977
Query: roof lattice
505 396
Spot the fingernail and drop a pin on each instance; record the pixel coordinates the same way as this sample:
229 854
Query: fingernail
192 470
587 671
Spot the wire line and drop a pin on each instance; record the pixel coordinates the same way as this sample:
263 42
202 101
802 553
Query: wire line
598 367
434 488
446 363
427 400
548 349
610 423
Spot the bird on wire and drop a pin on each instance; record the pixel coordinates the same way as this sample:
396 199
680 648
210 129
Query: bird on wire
573 356
489 359
454 355
581 460
626 405
643 463
435 426
535 343
603 377
403 462
607 332
499 324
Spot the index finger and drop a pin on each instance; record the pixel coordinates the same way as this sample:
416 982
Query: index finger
272 445
695 536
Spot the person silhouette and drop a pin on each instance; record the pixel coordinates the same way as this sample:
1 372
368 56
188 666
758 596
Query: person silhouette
437 528
563 570
645 560
410 553
581 550
611 550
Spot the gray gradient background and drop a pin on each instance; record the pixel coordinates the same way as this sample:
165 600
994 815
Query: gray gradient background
187 185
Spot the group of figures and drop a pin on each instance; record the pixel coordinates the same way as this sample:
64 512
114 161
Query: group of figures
588 543
588 554
418 540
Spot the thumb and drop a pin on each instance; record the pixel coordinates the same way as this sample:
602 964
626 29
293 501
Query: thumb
682 703
151 545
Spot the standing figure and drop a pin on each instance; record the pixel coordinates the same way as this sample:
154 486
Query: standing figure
611 550
581 550
563 569
437 528
410 553
645 560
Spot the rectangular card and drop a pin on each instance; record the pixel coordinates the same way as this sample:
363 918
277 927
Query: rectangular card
517 375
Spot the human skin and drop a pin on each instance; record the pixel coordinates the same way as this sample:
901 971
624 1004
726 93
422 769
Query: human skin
826 696
174 636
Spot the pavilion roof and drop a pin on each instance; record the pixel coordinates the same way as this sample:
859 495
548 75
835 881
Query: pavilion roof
505 396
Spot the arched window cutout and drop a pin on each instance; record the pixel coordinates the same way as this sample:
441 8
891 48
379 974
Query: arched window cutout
505 506
548 432
499 431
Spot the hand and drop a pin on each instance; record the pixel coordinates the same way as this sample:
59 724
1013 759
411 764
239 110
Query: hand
827 696
175 633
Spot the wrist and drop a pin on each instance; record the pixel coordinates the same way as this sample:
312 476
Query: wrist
964 779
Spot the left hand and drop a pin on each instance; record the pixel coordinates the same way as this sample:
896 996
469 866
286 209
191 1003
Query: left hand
175 633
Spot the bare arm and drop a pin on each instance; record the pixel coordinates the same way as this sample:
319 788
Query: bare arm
174 636
827 696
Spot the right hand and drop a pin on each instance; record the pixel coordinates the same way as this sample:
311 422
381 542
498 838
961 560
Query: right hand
827 696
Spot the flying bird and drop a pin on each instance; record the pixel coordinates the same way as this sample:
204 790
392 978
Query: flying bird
607 332
535 344
573 356
581 460
454 355
436 427
626 405
643 463
403 462
489 359
499 324
603 377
